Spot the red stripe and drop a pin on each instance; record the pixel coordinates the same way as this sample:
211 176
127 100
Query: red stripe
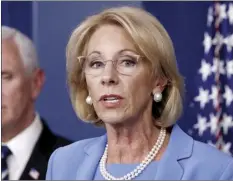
217 76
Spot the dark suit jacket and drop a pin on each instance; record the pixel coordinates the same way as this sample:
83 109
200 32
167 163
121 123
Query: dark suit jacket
44 147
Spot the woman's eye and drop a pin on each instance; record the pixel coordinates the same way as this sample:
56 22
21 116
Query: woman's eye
128 62
96 64
7 76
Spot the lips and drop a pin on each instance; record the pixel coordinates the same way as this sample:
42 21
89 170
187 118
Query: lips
110 98
111 101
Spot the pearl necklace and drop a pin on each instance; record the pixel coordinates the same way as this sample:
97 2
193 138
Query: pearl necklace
139 169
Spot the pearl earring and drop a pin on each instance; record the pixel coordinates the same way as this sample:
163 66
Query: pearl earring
89 100
158 97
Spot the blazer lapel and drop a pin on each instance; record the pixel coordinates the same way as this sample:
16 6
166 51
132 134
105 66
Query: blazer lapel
179 147
93 153
37 164
35 168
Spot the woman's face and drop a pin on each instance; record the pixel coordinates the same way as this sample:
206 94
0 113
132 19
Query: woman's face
120 91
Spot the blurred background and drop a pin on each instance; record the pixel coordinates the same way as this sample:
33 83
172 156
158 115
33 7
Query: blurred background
50 24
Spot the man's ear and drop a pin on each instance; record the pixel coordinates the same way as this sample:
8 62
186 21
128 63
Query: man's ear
38 79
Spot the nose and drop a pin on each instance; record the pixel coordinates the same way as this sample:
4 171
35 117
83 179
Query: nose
109 74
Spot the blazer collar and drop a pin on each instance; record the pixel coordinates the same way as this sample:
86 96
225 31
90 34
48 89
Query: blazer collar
179 147
93 152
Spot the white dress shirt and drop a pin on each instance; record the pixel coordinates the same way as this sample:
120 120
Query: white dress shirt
21 147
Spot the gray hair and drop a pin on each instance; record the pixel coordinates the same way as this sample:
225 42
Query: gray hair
25 47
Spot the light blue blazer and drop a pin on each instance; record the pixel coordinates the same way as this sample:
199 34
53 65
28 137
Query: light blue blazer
184 159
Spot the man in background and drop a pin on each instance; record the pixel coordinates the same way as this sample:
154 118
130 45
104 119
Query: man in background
27 142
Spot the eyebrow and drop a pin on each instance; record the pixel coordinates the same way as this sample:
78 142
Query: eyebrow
120 51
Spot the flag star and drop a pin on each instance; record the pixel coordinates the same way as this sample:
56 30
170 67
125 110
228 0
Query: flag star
229 42
218 39
226 123
226 148
201 125
228 95
203 97
218 65
230 13
214 96
205 70
213 123
222 12
207 42
210 17
229 68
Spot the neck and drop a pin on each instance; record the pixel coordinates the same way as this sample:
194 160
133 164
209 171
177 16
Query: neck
137 138
11 131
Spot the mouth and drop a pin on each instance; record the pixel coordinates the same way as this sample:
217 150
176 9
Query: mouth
111 98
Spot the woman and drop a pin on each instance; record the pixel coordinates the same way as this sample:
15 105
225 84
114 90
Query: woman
122 74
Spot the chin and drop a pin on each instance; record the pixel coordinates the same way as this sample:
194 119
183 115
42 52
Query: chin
6 122
7 117
113 118
112 121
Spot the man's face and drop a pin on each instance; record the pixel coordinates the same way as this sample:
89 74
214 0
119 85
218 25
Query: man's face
17 96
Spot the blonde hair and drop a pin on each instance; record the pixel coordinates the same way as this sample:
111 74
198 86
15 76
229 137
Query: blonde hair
151 40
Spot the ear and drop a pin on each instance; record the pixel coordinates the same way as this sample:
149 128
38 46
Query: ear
38 79
159 85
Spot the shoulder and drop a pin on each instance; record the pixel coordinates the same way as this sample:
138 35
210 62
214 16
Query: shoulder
61 141
186 147
50 140
74 151
200 148
219 164
74 148
199 160
210 154
65 160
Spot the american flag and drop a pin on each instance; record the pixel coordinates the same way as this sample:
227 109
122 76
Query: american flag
213 102
34 173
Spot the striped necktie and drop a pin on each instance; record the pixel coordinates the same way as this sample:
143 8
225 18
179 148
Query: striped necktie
5 154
